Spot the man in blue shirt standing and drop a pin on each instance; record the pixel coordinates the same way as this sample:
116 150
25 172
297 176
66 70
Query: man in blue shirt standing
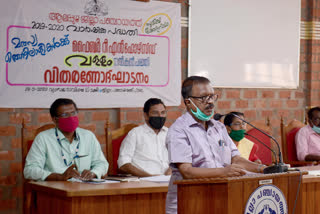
65 151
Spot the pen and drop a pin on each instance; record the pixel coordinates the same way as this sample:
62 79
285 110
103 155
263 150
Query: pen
79 156
222 143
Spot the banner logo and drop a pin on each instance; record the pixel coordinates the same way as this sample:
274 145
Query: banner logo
267 199
157 24
95 8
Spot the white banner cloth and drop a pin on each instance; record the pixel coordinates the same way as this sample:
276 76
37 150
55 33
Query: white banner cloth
100 53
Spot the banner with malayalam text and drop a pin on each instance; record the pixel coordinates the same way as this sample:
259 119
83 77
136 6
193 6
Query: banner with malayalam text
100 53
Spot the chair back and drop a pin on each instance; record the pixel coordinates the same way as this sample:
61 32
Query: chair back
27 136
263 153
291 145
114 139
288 133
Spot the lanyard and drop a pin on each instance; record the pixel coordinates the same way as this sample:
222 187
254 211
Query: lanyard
62 154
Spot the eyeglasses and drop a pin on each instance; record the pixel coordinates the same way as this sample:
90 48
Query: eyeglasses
206 98
70 114
238 124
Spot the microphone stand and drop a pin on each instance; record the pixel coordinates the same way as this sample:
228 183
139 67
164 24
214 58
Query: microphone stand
279 166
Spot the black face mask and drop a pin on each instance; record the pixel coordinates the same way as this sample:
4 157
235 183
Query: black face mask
157 122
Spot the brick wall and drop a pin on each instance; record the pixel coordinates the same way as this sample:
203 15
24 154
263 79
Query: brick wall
257 104
10 146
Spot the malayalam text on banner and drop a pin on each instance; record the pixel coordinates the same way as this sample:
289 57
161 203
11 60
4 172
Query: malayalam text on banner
100 53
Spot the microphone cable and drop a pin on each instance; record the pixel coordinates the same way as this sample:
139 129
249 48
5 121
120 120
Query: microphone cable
298 190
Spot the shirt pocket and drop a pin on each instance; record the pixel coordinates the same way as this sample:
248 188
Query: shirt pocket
83 163
225 155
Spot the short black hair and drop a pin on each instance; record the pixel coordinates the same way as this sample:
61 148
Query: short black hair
230 116
310 112
60 102
189 83
151 102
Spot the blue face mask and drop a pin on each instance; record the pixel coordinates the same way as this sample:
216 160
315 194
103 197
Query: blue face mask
199 114
316 128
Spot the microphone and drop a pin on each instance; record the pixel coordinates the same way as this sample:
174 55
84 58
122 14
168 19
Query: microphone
218 116
279 166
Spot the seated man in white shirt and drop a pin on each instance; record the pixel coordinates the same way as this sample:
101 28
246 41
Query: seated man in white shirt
143 152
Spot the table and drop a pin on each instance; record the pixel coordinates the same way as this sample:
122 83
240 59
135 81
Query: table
135 197
310 192
73 197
